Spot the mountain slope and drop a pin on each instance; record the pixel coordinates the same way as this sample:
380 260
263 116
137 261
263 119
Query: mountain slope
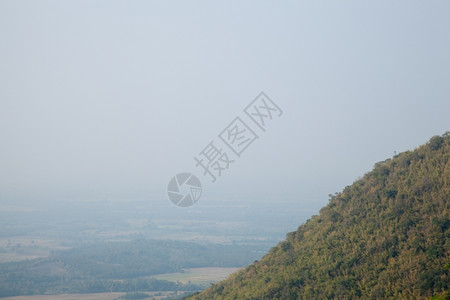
385 236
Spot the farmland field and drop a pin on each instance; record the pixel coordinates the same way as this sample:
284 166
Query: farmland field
94 296
198 275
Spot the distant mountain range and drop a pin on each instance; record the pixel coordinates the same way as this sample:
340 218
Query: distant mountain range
387 236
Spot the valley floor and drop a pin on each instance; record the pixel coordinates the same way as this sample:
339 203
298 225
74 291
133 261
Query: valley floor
93 296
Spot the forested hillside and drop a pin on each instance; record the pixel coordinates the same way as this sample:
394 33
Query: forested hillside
385 236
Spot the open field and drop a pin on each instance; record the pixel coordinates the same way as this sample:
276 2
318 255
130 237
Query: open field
96 296
198 275
25 247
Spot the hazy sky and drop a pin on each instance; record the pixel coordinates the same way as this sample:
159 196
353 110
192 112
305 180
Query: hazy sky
110 98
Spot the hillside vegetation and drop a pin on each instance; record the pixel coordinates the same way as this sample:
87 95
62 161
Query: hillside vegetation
385 236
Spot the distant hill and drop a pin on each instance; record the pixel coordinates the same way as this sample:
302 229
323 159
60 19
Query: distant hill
385 236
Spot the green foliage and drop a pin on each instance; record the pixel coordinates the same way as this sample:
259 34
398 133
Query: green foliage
436 142
385 236
442 296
